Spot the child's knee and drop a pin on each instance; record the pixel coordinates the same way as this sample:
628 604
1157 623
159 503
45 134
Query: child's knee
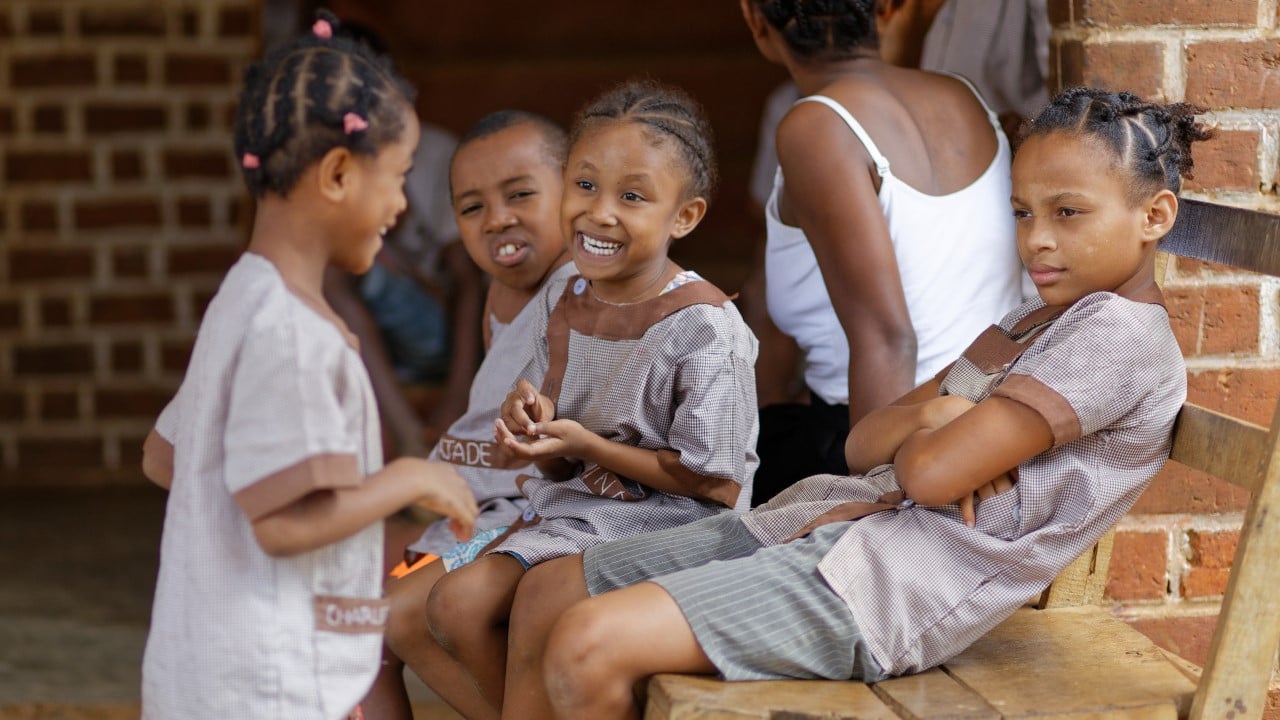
577 659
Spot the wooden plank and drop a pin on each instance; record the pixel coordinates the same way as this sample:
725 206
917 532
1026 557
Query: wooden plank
933 694
1244 644
688 697
1074 662
1220 445
1084 580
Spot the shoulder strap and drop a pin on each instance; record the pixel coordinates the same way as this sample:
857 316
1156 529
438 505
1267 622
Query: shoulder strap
992 116
882 162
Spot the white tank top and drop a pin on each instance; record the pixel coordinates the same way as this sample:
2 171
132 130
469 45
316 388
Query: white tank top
957 256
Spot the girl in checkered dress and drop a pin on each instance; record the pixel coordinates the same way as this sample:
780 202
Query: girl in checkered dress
268 602
970 493
645 417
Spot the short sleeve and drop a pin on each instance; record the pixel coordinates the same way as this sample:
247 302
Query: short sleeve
286 431
1090 369
170 417
715 414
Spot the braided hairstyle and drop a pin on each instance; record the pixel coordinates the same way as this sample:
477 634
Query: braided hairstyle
324 90
669 115
1152 141
823 29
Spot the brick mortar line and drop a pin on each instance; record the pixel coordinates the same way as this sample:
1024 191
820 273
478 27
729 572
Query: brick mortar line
1093 35
1185 521
1210 363
1269 318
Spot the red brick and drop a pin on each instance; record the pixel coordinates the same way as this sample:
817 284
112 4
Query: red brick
46 264
1175 12
198 117
1136 67
190 23
1186 308
140 21
235 22
131 451
196 163
1179 489
47 453
1066 65
1213 549
126 165
39 71
123 309
38 216
6 121
106 214
194 212
1247 393
130 70
101 119
55 312
1230 322
49 119
59 405
13 405
129 262
10 314
1139 566
1231 74
47 166
174 355
1061 11
196 70
1198 269
6 29
126 357
1229 161
44 22
135 402
203 260
1188 637
56 359
1200 583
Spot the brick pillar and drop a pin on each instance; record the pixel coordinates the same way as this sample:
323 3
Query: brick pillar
119 206
1173 553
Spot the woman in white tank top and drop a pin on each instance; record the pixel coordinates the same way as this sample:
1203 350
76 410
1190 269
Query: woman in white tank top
890 238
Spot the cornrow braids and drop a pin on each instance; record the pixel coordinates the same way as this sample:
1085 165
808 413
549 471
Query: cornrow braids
1152 141
823 29
671 114
324 90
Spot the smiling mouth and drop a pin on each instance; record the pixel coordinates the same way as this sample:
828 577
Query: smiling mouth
510 252
597 246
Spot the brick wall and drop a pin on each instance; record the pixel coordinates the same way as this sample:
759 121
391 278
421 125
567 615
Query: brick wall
119 210
1173 553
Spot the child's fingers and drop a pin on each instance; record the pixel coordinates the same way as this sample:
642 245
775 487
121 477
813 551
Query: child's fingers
966 510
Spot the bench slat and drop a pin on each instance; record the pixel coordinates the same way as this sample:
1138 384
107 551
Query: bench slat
933 694
1220 445
1245 239
689 697
1075 663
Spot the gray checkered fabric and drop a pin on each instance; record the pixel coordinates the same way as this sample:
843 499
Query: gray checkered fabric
1109 378
675 375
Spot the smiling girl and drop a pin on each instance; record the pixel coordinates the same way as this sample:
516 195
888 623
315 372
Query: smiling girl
645 418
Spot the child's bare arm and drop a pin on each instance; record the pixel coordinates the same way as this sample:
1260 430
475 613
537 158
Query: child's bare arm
942 465
157 460
326 516
877 436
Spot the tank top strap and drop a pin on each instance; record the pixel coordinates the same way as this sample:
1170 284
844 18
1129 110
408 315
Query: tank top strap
882 162
992 115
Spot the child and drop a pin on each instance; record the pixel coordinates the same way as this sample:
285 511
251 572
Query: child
646 417
506 187
1056 418
268 598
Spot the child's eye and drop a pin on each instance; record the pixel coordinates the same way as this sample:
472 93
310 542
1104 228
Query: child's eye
1068 212
469 209
586 185
1021 214
632 197
520 194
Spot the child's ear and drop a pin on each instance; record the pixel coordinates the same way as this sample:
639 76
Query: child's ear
1162 211
688 217
334 173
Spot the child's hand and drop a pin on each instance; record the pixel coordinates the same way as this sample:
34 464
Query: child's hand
936 412
968 503
524 407
554 439
445 492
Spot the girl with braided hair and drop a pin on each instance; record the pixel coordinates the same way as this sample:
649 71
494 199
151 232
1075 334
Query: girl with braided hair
645 416
890 244
268 602
970 493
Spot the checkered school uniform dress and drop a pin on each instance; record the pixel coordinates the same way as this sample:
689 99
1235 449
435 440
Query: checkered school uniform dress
275 404
1108 377
469 444
674 374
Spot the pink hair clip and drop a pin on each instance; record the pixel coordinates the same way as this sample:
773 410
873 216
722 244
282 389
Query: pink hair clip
322 29
353 123
250 161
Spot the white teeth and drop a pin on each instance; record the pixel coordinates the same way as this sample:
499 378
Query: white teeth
383 232
506 249
599 247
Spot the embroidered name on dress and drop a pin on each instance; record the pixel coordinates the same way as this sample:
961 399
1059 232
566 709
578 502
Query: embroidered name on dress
606 484
474 453
351 615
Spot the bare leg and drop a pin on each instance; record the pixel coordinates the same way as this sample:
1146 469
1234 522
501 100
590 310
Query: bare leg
602 647
468 613
545 592
387 699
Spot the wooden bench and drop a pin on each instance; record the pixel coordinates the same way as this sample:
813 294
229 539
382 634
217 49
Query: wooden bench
1066 657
